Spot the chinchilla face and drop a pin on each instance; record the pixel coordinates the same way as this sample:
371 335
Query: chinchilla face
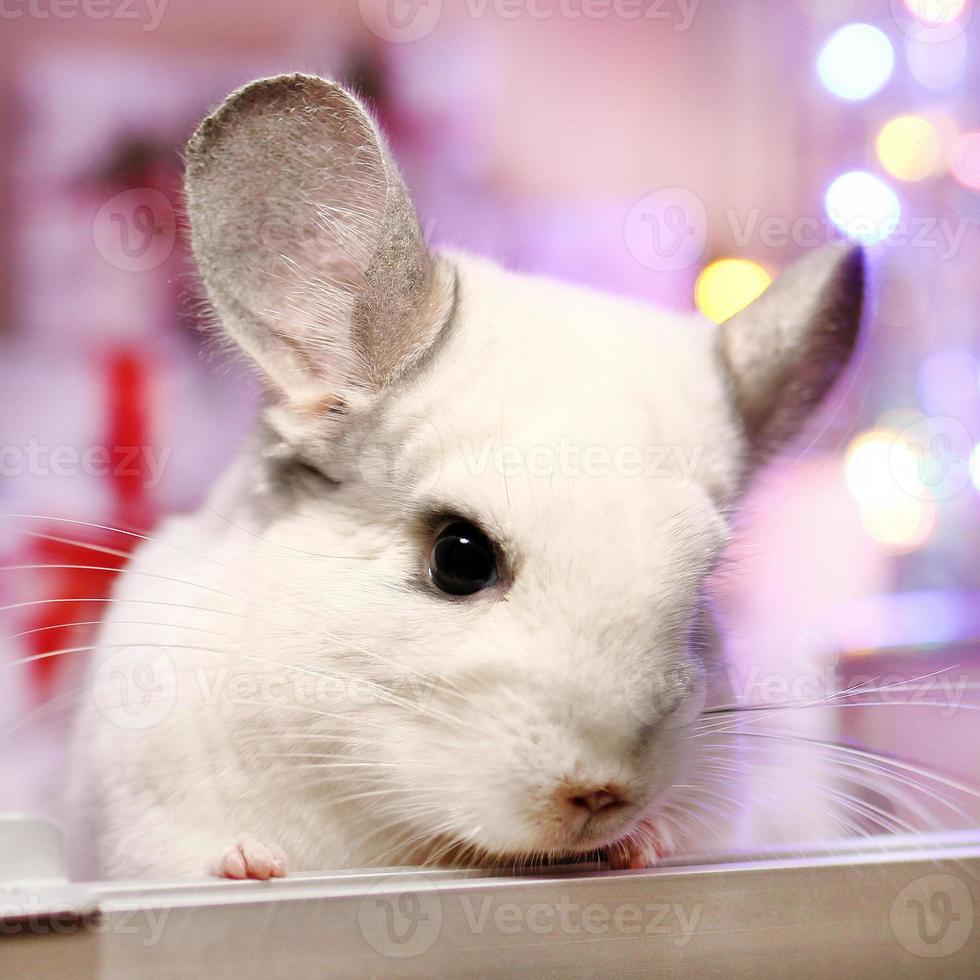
502 494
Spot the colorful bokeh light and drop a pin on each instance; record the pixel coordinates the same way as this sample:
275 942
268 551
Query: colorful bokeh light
877 470
863 207
856 61
908 148
965 160
900 526
935 12
938 63
727 286
869 467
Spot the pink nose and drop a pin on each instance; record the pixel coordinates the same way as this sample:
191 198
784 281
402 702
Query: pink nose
594 800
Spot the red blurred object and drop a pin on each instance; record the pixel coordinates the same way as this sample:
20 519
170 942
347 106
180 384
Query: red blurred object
79 564
128 434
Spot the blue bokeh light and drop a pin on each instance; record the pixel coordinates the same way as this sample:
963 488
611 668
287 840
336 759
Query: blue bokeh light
863 207
856 61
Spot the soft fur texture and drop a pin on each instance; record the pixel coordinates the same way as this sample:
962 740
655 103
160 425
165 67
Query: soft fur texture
308 684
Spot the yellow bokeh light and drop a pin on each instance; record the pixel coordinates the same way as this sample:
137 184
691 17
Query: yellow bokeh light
870 468
935 12
866 467
908 148
879 471
727 286
901 525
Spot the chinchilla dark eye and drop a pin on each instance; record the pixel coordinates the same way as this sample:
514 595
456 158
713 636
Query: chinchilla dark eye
462 560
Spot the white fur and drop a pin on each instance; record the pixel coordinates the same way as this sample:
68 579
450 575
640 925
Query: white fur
293 675
503 698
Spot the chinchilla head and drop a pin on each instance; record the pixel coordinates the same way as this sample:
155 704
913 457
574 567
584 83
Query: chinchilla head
503 493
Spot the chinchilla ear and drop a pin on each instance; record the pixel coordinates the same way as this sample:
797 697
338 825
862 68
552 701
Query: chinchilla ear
785 350
308 245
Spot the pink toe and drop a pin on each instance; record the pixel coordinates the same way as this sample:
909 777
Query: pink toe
232 865
250 858
258 860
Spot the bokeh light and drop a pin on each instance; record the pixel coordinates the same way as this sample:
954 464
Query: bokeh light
908 148
863 207
965 160
856 61
869 467
877 468
948 132
935 12
727 286
900 525
938 63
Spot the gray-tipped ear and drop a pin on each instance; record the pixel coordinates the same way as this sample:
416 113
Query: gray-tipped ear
786 349
307 242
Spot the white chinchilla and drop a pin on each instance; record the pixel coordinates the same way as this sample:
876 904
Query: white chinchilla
441 609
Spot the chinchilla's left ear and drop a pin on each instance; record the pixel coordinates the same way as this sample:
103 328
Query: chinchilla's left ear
309 246
785 350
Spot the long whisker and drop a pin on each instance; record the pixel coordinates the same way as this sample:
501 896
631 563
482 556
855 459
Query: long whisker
63 566
881 768
932 775
446 684
775 712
